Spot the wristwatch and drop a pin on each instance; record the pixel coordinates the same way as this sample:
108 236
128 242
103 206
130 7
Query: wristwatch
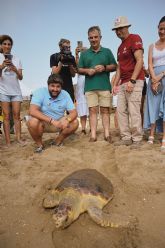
68 119
132 81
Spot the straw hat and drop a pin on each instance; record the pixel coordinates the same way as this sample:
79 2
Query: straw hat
120 22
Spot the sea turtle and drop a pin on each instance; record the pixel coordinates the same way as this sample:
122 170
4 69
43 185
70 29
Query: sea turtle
83 190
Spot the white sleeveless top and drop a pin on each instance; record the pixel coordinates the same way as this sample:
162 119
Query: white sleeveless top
158 56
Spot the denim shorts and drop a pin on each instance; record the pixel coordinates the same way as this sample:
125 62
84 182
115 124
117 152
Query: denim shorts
9 98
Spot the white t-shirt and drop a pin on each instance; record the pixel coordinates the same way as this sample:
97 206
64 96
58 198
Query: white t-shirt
9 83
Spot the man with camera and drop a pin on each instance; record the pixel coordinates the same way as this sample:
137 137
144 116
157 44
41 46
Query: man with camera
63 63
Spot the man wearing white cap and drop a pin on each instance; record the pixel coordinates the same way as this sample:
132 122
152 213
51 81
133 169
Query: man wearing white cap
131 76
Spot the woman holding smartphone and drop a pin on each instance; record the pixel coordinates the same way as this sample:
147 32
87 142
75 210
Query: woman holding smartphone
10 91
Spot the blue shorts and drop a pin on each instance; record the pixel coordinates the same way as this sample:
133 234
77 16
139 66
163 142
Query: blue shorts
9 98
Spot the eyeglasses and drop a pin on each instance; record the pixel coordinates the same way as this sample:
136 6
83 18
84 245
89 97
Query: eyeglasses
6 44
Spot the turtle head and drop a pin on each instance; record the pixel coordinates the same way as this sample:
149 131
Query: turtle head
62 216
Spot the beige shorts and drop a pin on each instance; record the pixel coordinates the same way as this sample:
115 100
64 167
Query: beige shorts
98 98
47 127
50 128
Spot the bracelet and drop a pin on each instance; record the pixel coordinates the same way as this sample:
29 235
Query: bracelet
105 67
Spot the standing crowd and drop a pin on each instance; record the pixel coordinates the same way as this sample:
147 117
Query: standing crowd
53 109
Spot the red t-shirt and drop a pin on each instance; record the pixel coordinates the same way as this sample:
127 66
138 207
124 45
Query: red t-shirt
126 59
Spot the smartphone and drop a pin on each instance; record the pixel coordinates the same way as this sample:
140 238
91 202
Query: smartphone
80 44
8 56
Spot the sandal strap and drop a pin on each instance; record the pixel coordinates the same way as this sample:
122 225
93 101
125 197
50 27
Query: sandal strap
151 138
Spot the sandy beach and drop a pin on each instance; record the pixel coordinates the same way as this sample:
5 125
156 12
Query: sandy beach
139 192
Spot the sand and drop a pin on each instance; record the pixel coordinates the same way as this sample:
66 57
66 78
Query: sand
139 193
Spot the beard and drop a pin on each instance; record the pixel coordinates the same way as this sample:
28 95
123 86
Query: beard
54 94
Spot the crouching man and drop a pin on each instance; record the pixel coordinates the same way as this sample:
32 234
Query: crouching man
48 110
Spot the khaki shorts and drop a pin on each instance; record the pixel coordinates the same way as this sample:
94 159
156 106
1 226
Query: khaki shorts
47 127
98 98
50 128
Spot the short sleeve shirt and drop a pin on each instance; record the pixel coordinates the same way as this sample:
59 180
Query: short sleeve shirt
126 59
65 72
89 59
54 108
9 83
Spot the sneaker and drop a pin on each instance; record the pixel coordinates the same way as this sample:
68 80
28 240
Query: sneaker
123 143
136 144
38 149
53 143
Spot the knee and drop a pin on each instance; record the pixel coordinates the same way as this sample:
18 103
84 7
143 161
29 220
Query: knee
33 123
16 117
104 110
75 124
93 110
6 117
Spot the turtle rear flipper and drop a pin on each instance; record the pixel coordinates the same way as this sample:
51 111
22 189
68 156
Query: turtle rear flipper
51 200
102 218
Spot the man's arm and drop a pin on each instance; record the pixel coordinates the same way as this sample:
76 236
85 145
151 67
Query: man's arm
116 80
72 115
73 70
35 112
87 71
138 54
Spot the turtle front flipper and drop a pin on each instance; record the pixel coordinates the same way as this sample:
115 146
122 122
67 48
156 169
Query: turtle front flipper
102 218
51 200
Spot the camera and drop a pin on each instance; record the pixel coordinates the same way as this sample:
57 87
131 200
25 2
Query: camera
8 56
66 56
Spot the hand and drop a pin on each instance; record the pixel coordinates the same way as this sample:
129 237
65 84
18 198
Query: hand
77 51
156 78
64 123
57 124
13 68
91 72
115 90
129 87
6 63
99 68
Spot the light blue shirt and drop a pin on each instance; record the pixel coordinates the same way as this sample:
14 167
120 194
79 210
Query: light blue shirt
54 108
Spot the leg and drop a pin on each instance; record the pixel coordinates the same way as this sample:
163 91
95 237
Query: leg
116 119
105 113
123 115
16 108
6 121
67 132
93 121
134 103
11 121
102 218
142 109
163 140
93 103
36 130
83 120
